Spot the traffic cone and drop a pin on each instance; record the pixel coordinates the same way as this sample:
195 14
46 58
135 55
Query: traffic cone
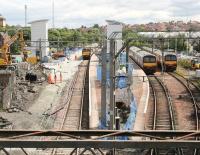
50 81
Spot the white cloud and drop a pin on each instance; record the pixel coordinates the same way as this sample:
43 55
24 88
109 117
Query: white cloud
74 13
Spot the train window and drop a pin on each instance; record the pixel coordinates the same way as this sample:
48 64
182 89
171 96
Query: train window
170 58
148 59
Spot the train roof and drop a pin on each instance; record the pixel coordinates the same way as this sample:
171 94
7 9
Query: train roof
86 48
147 48
134 48
140 52
159 52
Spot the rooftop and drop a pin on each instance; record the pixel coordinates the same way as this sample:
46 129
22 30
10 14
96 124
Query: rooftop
1 17
36 21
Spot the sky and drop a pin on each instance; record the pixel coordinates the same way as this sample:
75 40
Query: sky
74 13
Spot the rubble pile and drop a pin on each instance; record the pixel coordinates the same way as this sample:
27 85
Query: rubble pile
26 89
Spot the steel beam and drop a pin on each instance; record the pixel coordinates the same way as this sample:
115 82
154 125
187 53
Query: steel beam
108 144
161 133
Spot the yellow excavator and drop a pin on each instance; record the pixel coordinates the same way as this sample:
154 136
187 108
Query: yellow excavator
5 55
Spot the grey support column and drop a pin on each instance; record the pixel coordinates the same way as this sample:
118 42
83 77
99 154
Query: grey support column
112 105
103 86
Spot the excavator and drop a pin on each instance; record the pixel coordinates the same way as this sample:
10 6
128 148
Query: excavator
5 55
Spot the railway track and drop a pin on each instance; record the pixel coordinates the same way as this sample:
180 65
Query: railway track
193 86
192 96
73 110
162 111
194 93
162 115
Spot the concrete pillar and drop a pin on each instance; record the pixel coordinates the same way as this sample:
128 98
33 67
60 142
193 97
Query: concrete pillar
7 82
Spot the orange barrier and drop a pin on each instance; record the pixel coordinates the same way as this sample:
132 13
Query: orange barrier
50 79
55 79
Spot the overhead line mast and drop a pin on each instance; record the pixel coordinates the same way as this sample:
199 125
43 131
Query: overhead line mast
53 24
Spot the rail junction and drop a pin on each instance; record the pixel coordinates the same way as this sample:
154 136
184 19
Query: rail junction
161 134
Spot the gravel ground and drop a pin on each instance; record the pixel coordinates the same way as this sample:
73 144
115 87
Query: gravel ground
47 100
183 107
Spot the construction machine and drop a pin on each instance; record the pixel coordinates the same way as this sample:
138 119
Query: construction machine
5 55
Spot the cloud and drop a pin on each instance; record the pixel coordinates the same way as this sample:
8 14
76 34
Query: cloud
186 8
74 13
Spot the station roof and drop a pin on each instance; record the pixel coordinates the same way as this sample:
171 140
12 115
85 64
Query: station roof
113 22
36 21
1 17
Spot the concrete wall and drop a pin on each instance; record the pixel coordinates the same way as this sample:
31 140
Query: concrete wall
7 82
39 30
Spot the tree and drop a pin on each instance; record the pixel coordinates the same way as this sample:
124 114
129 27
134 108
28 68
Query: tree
96 26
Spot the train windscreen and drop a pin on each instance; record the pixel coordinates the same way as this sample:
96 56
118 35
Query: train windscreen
170 58
149 59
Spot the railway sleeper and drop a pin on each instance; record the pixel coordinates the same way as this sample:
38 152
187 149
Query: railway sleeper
184 96
163 121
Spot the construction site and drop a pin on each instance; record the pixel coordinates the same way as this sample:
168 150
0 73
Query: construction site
26 84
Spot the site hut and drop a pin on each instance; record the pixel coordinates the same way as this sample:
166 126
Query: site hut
39 37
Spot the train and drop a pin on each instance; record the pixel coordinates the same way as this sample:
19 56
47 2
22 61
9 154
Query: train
86 52
169 62
195 63
144 59
170 59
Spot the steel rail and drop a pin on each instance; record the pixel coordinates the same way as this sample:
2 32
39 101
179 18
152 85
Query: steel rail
155 106
193 84
82 100
66 107
169 106
83 64
192 97
193 101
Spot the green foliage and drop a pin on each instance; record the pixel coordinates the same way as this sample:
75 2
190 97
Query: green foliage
96 26
84 35
137 39
181 45
129 33
184 63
